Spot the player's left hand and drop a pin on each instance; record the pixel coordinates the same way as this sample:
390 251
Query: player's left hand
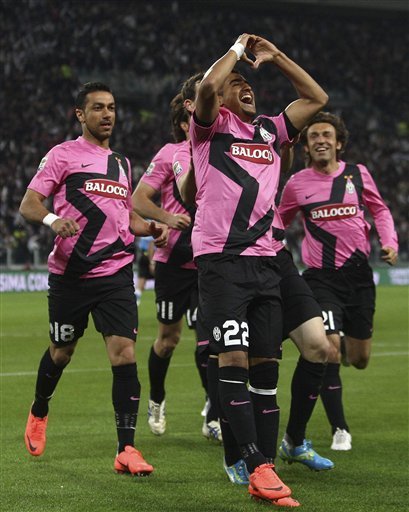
389 255
263 50
160 233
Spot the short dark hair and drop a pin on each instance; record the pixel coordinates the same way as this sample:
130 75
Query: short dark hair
81 98
178 114
188 90
341 131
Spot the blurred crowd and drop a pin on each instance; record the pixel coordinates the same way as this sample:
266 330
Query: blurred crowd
145 50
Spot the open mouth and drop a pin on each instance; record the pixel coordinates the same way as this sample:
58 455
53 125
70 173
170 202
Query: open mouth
247 99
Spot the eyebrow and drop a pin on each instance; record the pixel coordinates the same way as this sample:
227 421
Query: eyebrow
100 104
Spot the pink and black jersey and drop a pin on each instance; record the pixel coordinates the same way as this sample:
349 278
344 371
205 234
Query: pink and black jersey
278 240
160 176
89 183
336 232
237 167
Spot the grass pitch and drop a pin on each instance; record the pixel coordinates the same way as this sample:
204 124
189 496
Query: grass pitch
75 473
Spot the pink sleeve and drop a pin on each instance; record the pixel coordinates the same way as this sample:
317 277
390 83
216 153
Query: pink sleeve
157 171
203 133
181 161
288 206
379 211
50 173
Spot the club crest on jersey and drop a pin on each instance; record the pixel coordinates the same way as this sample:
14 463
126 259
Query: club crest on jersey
265 135
106 188
150 169
349 186
121 169
256 153
42 163
217 333
336 211
177 169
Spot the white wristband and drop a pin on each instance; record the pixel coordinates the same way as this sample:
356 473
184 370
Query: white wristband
49 219
238 49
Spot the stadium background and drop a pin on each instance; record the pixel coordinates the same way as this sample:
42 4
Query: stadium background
145 50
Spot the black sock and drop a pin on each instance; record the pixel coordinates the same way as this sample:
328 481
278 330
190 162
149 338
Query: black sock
201 358
158 368
252 456
263 380
305 389
212 389
126 392
237 408
331 396
232 452
47 379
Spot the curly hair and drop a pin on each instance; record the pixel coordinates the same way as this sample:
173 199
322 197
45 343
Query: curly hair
178 115
341 132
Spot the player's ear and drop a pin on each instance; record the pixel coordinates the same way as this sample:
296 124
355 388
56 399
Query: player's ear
339 146
80 114
189 105
185 126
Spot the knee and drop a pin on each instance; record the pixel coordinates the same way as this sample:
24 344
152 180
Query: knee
166 344
359 363
264 375
61 356
318 351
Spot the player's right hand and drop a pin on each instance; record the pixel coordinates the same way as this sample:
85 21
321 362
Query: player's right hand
65 228
247 40
179 221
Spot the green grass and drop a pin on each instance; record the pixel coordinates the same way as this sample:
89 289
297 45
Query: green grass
75 473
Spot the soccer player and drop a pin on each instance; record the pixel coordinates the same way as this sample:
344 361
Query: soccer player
332 196
237 165
302 317
145 251
175 272
90 266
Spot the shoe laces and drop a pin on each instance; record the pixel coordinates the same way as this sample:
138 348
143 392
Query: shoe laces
264 471
241 469
214 429
341 435
38 428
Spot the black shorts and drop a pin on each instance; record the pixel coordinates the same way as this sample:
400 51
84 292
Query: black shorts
143 266
347 298
240 305
299 303
110 300
176 292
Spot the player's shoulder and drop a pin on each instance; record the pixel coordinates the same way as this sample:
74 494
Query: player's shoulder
167 151
301 175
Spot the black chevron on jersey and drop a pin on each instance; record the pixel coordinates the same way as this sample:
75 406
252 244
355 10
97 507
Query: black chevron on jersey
337 196
240 236
182 251
80 262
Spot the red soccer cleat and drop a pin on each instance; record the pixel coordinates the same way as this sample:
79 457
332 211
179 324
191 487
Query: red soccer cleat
265 484
131 461
34 435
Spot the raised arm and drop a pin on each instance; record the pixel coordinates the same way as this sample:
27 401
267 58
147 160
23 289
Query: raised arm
207 102
33 210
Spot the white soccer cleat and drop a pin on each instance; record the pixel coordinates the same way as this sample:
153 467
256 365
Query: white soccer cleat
342 440
156 417
212 430
206 408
